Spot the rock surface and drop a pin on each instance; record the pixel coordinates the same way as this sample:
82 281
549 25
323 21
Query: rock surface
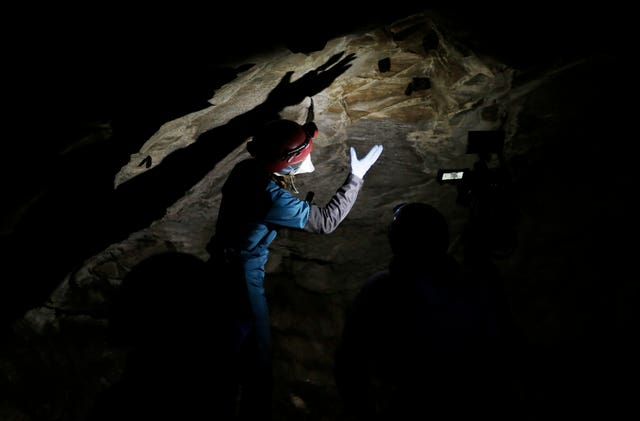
418 86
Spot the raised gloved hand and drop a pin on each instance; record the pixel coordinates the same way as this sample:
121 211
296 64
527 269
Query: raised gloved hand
359 167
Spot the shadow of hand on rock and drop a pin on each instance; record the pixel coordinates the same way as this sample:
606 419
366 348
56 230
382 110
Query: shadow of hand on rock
313 82
86 214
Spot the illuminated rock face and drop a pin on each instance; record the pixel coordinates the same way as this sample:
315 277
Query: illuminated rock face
417 87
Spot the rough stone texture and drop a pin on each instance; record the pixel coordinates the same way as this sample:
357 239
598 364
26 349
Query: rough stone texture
420 104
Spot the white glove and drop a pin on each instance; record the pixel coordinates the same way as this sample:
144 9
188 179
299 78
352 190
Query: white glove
359 167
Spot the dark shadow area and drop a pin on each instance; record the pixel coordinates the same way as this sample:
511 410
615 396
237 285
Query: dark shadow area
579 179
431 337
182 325
87 214
538 33
574 269
99 118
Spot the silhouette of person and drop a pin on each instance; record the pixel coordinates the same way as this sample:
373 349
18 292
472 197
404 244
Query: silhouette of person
258 199
183 332
427 338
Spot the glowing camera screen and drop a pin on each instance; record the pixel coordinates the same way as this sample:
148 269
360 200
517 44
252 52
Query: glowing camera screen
449 176
452 175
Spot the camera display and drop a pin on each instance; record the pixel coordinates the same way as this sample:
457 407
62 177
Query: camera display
451 176
486 191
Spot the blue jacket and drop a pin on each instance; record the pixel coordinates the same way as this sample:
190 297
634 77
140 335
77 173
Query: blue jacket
252 210
254 207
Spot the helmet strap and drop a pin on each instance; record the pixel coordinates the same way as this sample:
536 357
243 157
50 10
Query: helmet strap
286 181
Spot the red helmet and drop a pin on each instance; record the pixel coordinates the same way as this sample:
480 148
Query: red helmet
282 143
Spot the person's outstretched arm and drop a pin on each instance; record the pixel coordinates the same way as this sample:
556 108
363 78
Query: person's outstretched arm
325 220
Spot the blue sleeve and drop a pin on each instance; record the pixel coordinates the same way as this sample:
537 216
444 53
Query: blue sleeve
287 210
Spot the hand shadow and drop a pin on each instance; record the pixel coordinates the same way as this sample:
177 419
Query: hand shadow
87 214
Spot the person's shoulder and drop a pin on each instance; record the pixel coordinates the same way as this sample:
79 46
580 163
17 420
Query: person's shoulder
373 291
247 173
246 165
377 282
112 403
379 277
281 195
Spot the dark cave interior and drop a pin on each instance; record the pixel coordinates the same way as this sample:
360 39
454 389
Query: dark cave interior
69 76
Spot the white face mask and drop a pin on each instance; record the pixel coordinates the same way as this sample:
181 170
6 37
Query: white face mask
305 166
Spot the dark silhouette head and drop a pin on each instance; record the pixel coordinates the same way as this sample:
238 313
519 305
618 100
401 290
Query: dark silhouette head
418 230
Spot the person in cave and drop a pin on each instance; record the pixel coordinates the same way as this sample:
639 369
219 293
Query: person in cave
258 199
430 337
